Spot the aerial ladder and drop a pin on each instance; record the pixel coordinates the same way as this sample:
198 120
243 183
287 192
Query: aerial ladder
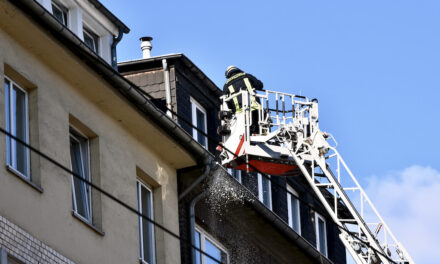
288 141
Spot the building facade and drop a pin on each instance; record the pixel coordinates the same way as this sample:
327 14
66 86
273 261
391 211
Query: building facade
269 224
60 93
64 98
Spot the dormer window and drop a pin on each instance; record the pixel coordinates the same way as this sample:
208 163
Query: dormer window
60 13
91 40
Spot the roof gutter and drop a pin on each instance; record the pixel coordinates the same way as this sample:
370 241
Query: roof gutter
117 81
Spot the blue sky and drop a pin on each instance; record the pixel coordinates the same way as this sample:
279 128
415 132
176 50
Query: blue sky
373 65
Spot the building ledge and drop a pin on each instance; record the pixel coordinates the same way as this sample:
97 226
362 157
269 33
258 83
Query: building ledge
34 185
88 224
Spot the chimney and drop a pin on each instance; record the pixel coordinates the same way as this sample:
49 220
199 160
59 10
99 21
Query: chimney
146 47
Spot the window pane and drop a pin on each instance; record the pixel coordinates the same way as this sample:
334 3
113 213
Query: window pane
200 125
295 213
197 244
90 41
59 14
19 98
235 173
213 251
321 227
79 187
147 227
266 191
8 121
19 129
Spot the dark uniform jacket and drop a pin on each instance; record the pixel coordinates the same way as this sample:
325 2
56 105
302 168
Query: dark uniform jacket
237 81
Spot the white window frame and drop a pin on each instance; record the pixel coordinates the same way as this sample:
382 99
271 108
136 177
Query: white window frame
231 171
318 242
95 37
293 198
203 236
87 177
194 106
139 186
260 189
63 9
12 166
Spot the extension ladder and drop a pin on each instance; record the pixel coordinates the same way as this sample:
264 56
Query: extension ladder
288 141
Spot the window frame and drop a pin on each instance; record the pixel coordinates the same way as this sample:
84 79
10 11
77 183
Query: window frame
231 172
6 258
205 235
290 199
64 10
194 106
318 242
139 185
11 167
95 37
87 177
260 190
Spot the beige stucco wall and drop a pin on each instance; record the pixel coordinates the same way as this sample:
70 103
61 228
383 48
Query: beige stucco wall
129 146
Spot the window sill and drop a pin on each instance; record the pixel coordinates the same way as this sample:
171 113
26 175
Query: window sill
84 221
25 179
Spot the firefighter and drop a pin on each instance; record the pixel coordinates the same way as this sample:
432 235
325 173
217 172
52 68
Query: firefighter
237 80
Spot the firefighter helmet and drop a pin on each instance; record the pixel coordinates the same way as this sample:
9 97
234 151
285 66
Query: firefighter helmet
231 70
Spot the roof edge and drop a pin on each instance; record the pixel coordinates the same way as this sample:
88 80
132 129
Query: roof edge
107 13
127 89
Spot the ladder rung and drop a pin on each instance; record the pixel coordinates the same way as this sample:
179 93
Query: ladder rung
351 188
326 185
347 220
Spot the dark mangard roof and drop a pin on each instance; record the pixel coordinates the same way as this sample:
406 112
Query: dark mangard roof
134 65
110 15
131 92
228 183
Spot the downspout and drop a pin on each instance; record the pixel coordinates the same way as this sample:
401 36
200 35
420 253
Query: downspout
166 75
198 180
192 223
113 48
191 208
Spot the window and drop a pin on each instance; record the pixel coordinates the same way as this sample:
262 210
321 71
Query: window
91 40
199 121
6 258
264 190
293 210
60 13
321 234
80 163
207 244
146 228
17 123
236 174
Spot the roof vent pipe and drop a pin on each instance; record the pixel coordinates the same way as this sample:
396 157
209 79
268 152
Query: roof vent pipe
146 47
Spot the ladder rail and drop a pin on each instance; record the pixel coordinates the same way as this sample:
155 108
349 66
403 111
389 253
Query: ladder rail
292 121
341 193
366 199
321 197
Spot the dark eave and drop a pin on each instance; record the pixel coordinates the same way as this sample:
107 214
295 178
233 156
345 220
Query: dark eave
110 15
